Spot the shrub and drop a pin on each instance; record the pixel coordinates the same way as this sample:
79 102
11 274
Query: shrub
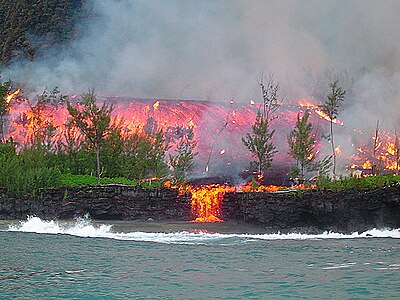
363 183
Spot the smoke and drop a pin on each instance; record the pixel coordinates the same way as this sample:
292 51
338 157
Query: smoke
189 49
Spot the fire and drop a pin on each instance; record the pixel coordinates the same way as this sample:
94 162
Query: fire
367 165
305 103
338 150
326 117
206 201
12 95
155 105
381 151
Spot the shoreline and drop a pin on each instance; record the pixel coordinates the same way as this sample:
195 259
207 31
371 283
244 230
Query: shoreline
309 212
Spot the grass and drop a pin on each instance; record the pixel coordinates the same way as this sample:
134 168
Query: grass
87 180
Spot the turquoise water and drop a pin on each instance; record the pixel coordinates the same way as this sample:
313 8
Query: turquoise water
85 260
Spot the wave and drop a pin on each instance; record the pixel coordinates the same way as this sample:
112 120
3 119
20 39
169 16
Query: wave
83 227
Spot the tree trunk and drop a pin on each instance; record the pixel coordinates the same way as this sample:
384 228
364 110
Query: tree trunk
333 151
3 135
97 148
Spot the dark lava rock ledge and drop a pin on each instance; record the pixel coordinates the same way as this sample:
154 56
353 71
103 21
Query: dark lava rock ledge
295 211
317 211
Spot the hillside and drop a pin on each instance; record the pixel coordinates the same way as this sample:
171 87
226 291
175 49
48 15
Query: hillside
29 27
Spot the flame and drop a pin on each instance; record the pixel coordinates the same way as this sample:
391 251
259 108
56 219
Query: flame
367 165
206 201
326 117
12 95
391 148
382 151
306 103
155 105
338 150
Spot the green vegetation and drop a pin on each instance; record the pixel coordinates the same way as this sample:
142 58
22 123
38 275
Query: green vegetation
22 174
182 161
260 142
330 108
302 145
87 180
30 27
93 122
363 183
91 142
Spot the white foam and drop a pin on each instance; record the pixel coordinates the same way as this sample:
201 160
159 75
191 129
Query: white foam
85 228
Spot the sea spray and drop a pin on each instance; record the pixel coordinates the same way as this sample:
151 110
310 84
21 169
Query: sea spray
84 227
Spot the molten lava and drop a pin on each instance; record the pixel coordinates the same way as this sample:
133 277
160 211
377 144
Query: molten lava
206 201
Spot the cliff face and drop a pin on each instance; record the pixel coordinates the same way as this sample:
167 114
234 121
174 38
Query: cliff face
112 202
308 211
316 211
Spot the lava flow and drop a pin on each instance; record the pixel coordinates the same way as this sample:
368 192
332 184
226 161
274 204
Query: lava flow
206 201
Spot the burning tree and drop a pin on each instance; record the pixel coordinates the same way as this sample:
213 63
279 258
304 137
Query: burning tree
330 108
260 142
39 115
302 144
93 122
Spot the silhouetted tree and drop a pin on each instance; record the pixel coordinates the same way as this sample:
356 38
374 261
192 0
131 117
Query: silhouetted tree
330 108
182 161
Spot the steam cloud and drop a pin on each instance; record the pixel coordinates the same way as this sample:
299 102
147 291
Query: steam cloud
214 50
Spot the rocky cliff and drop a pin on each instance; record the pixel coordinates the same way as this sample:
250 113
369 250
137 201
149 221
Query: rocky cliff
316 211
111 202
306 211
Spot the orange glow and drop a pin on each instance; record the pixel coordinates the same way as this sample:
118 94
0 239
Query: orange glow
306 103
367 165
384 152
206 201
12 95
155 105
338 150
326 117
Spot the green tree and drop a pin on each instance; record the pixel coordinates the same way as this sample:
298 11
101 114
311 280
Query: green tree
301 142
93 121
182 161
330 108
260 142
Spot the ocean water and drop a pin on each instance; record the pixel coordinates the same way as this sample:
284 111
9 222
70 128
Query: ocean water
82 259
